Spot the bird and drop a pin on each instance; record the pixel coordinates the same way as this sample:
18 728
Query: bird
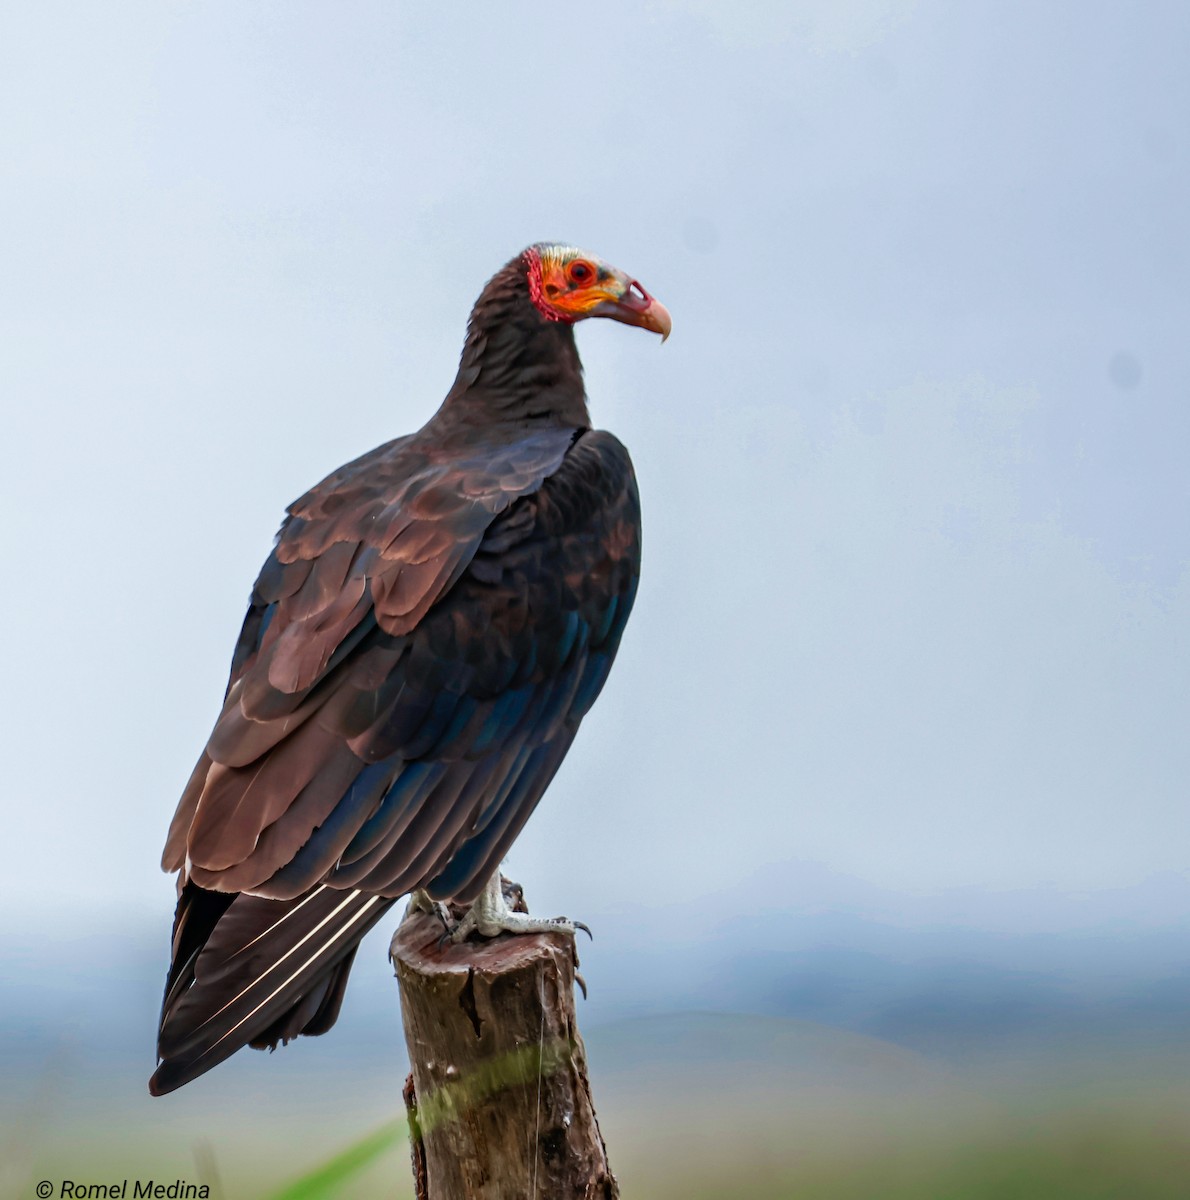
434 621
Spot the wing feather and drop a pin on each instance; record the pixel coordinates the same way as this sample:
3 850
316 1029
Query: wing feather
420 649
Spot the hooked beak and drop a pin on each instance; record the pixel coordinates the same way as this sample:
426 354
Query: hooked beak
636 307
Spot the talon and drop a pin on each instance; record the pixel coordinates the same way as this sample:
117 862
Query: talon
580 925
582 984
490 915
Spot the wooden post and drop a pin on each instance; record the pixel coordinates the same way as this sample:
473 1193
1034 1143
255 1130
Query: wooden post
498 1099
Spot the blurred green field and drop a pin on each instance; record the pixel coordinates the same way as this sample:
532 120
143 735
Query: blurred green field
1081 1152
692 1107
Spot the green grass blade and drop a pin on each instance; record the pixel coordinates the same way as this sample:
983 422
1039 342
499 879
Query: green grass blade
325 1181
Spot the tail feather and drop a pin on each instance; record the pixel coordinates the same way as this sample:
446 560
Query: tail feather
252 971
314 1014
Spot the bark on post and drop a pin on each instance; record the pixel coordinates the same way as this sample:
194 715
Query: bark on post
499 1102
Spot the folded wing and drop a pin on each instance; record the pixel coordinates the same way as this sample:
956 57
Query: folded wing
408 680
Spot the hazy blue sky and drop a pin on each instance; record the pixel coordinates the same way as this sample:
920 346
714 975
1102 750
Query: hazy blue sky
915 607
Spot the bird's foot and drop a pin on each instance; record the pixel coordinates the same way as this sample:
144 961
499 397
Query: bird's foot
491 915
420 901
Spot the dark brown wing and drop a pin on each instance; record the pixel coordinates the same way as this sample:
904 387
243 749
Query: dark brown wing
412 759
370 549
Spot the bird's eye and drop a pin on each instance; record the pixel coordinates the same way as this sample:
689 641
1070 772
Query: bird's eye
580 272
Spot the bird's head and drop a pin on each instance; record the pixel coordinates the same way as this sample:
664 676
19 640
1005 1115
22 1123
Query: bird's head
568 284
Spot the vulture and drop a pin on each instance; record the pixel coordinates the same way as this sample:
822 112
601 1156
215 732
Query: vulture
433 623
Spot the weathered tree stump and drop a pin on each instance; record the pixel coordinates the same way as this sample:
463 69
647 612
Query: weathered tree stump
499 1102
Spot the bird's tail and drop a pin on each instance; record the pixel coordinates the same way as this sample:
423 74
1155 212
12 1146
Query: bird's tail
248 971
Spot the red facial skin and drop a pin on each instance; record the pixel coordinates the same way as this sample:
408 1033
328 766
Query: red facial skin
567 284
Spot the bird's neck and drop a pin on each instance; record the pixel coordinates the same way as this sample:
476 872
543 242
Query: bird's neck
517 367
